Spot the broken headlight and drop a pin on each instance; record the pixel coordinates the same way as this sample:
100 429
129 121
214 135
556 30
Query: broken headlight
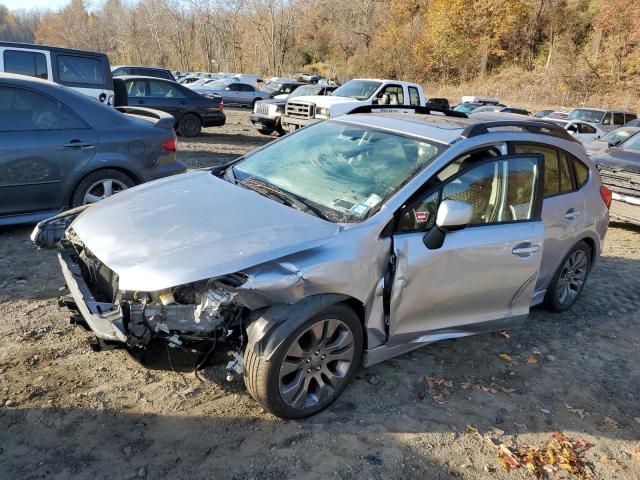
48 233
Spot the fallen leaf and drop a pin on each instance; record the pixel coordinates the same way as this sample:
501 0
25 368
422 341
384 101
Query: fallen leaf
577 411
612 462
580 443
506 358
611 422
532 360
471 430
439 399
505 334
508 391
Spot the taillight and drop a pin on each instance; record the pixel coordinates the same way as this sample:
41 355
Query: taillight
606 195
221 106
171 144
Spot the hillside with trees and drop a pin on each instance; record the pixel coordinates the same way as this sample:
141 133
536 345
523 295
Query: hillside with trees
558 52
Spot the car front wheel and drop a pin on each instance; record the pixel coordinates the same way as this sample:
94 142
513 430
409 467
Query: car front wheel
568 282
311 368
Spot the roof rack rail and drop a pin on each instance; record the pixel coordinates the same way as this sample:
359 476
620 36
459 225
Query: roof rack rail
416 109
532 126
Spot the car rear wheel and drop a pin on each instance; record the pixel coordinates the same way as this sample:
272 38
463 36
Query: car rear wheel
265 131
311 368
568 282
99 185
189 125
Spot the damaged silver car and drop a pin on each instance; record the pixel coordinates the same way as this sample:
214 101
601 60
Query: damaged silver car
345 243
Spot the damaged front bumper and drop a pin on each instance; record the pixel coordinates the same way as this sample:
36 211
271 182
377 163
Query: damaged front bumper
104 319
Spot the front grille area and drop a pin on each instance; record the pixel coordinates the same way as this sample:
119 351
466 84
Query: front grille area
300 109
262 108
101 280
624 211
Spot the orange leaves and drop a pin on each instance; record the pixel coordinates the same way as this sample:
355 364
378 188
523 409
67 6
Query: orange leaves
560 453
505 357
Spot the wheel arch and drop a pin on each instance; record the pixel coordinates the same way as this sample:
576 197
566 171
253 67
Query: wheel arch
272 325
132 175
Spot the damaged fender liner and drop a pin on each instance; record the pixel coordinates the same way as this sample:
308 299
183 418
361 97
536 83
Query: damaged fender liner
274 324
103 319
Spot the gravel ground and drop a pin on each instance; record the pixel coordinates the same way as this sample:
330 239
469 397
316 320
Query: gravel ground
69 412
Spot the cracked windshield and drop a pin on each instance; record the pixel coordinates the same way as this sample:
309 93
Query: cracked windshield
345 171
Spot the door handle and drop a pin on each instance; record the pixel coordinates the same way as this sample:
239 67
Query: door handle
77 144
571 214
526 249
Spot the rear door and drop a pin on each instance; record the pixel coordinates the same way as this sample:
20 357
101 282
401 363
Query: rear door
232 94
165 96
483 276
563 208
42 145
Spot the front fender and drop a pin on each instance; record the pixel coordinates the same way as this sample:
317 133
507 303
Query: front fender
274 324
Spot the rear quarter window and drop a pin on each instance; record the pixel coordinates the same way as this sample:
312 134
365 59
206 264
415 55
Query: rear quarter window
582 172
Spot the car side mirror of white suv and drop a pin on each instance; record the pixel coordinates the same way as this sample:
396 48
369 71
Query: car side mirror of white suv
451 214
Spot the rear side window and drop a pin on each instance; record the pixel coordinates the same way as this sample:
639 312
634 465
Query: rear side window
557 170
22 62
137 88
618 118
582 172
246 88
629 116
23 110
164 90
414 96
80 70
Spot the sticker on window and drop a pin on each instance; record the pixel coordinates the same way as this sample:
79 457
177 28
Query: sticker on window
372 201
359 210
421 217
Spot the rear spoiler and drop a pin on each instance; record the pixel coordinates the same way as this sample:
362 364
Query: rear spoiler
162 119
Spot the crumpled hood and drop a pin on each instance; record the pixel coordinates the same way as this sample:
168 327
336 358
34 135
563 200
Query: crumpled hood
191 227
618 159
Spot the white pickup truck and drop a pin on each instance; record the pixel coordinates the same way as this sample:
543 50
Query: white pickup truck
301 111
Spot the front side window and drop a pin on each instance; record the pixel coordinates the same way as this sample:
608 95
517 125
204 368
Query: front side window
414 96
501 190
586 128
608 119
33 64
23 110
73 69
164 90
358 89
390 95
346 171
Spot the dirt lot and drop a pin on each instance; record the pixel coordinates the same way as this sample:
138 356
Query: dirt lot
68 412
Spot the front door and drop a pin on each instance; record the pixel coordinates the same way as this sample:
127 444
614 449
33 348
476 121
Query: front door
42 144
483 276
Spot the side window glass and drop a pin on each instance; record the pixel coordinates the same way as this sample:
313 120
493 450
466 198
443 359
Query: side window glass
33 64
391 95
552 178
69 121
414 96
566 185
607 119
582 172
85 70
629 116
584 128
498 191
164 90
21 110
618 118
137 88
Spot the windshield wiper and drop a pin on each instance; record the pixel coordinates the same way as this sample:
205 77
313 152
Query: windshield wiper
287 198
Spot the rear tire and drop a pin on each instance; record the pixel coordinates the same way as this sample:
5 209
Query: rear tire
100 184
310 368
568 282
265 131
189 125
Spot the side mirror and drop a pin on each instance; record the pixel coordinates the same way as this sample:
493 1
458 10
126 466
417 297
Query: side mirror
451 214
228 89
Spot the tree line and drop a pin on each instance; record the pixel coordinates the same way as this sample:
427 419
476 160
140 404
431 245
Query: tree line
576 46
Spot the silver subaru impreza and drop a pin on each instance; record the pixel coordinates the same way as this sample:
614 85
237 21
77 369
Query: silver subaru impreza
348 242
